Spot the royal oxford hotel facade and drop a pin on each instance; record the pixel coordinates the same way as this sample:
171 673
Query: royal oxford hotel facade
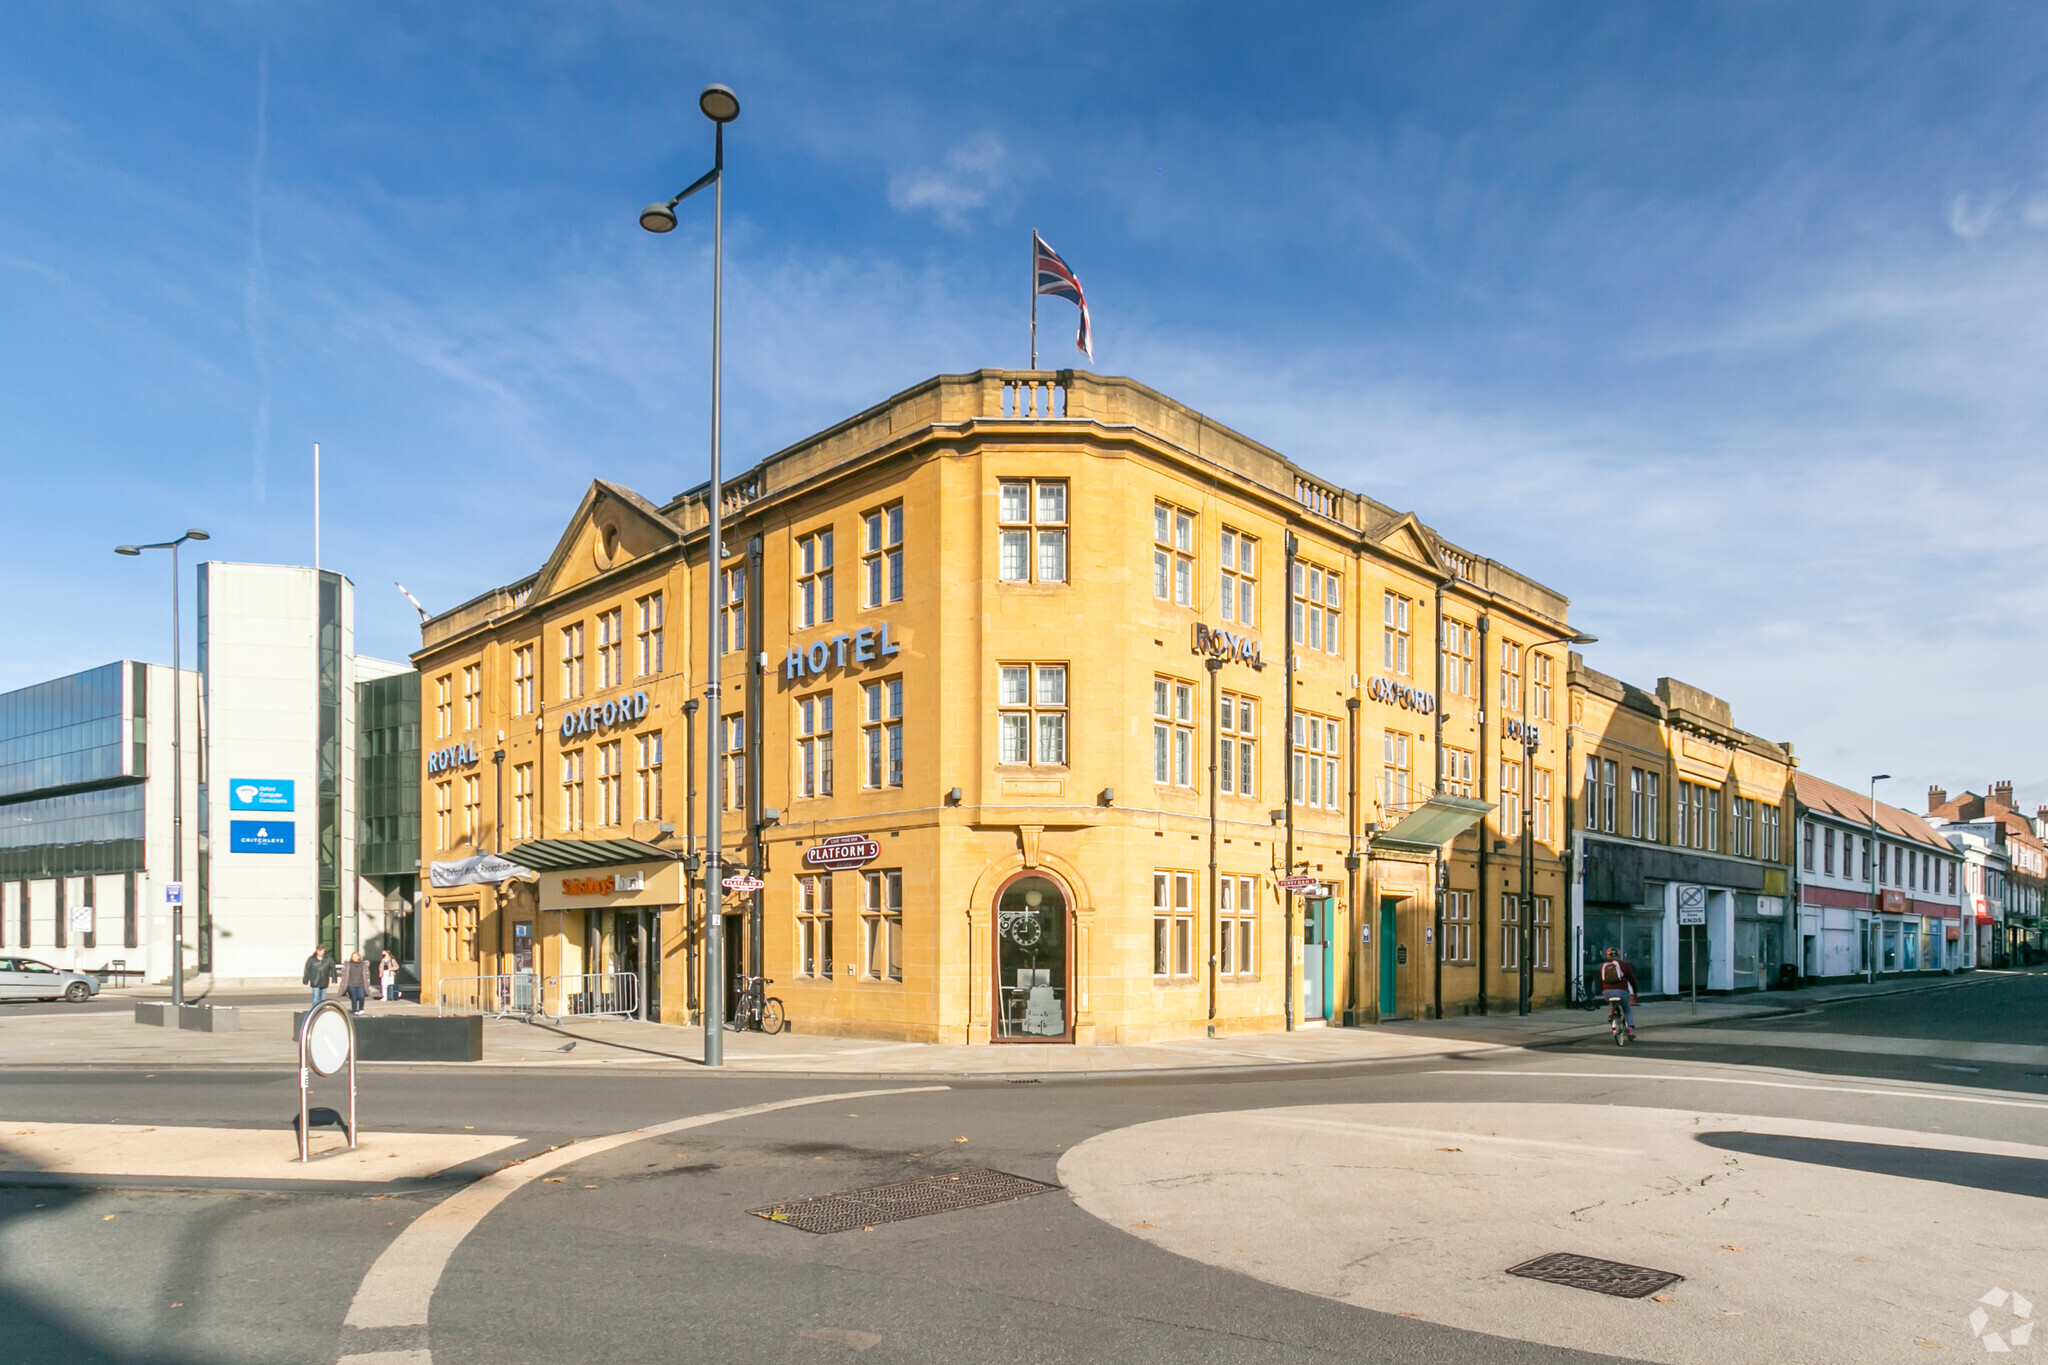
1008 731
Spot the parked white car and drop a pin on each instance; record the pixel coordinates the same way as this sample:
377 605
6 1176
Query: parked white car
24 978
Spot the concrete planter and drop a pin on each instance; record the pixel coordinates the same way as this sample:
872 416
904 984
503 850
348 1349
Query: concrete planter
413 1037
154 1012
210 1018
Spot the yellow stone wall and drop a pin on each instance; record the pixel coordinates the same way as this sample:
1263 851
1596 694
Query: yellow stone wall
1098 825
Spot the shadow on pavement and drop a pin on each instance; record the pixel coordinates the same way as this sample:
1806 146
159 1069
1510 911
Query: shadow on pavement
1973 1170
33 1332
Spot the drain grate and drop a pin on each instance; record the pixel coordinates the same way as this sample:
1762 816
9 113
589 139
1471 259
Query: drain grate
894 1203
1590 1272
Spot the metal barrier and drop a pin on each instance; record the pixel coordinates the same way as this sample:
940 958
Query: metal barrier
589 995
517 995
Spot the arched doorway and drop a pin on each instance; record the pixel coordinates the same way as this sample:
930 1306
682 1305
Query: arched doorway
1033 961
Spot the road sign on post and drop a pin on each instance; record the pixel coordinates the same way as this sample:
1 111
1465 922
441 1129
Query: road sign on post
742 882
1300 885
174 893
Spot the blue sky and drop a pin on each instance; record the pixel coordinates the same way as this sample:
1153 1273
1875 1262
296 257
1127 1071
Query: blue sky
1727 321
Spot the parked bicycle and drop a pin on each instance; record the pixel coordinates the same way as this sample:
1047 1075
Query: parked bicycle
755 1010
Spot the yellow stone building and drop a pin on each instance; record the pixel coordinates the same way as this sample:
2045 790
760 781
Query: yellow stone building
1010 735
1682 837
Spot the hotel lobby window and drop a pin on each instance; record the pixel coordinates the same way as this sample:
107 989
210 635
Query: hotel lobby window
814 925
814 578
882 731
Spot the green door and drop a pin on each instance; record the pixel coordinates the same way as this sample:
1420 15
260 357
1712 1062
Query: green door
1386 1000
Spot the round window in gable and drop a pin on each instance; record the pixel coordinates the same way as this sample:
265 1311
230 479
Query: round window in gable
607 545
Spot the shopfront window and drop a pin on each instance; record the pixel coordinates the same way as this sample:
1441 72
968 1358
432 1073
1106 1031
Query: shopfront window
1031 961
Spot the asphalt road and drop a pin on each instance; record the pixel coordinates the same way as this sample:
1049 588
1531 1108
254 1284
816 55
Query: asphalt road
645 1251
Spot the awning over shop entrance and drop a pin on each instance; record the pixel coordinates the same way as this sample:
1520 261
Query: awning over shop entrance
1432 824
555 854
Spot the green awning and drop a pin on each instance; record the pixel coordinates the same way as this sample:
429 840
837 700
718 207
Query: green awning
554 855
1433 824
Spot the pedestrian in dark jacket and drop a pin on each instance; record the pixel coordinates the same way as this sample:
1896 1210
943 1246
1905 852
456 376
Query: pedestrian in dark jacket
356 981
319 973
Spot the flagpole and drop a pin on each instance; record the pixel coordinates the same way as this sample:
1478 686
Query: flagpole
1034 298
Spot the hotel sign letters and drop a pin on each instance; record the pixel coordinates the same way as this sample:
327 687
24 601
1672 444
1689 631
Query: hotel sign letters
1226 645
1400 694
868 645
454 756
1530 735
601 716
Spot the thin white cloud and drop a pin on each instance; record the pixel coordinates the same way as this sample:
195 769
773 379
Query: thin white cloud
1971 216
962 183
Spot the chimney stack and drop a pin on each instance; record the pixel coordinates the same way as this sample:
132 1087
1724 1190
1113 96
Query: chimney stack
2001 792
1936 797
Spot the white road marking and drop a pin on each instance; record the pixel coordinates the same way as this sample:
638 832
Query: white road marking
1733 1080
1285 1119
400 1284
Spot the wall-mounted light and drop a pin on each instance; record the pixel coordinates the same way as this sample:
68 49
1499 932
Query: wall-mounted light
770 816
954 797
1106 797
1275 816
668 831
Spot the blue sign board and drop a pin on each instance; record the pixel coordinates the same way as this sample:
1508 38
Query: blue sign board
261 836
260 793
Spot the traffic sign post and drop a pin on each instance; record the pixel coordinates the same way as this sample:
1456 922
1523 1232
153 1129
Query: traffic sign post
1693 917
327 1043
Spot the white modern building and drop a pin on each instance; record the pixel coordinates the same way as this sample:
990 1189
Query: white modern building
1881 893
270 809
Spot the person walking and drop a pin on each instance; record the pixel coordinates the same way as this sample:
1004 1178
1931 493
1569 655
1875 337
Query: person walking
319 973
387 975
356 981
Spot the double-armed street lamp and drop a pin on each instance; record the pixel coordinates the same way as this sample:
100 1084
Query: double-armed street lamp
1527 934
721 106
177 764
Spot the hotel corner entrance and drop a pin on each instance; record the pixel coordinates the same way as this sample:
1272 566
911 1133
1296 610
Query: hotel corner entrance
1033 960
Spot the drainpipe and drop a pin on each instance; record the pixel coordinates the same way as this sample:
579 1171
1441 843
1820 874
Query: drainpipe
1486 759
1215 667
1358 911
690 929
757 660
1438 871
1291 546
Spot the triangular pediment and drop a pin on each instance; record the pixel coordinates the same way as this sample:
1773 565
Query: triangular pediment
1405 537
613 526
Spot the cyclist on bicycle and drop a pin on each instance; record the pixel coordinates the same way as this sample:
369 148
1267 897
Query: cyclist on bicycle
1618 984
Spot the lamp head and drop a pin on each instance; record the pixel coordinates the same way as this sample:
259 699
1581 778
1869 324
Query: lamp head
719 103
1881 777
127 550
1582 638
658 218
196 534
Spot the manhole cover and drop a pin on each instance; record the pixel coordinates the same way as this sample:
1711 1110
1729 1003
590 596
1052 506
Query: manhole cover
1602 1277
910 1199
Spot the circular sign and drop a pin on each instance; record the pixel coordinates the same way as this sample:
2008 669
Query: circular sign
743 881
843 853
328 1039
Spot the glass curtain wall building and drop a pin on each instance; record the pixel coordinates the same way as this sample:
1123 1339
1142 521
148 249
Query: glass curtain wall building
388 813
85 817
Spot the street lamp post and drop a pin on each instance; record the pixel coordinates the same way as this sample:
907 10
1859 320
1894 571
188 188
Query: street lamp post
1873 933
177 762
1527 935
721 106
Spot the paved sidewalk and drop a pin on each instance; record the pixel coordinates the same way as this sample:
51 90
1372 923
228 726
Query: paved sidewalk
57 1039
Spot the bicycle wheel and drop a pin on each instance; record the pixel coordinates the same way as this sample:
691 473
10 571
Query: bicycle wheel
771 1016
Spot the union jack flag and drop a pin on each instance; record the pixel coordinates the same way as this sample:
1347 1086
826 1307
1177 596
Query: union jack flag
1055 279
